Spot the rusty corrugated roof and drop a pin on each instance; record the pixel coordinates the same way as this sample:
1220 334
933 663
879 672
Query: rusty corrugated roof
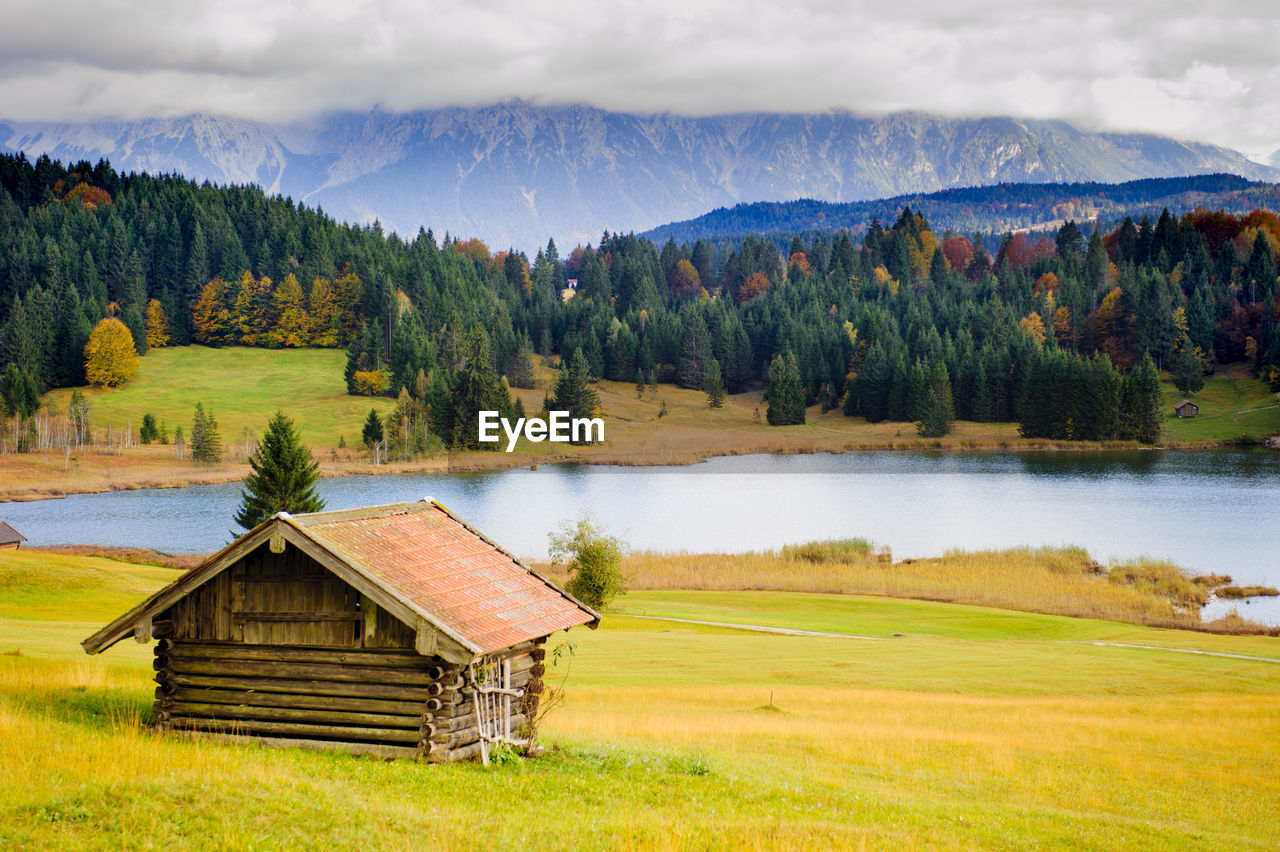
447 571
418 558
8 535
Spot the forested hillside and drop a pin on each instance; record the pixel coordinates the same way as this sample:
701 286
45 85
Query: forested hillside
1062 335
986 209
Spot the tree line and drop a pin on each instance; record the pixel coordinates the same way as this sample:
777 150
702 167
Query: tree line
1062 335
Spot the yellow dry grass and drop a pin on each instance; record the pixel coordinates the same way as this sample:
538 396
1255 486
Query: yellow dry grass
1061 581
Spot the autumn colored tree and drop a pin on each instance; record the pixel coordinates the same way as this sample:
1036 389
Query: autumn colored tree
211 315
292 326
110 358
1033 325
475 249
959 252
157 325
684 281
251 314
326 318
1046 284
797 266
1063 331
756 284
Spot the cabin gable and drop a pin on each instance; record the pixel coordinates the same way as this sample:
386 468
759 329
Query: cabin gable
285 598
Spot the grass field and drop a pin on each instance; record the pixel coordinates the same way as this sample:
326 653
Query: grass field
953 727
1232 406
666 425
242 387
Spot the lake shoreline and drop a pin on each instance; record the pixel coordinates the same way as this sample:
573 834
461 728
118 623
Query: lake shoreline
34 476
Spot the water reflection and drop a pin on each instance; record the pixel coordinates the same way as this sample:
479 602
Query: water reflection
1208 511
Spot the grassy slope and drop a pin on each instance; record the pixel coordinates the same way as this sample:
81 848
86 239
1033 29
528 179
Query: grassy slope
1231 405
242 387
977 728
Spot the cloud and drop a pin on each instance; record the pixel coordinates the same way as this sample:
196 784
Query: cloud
1204 74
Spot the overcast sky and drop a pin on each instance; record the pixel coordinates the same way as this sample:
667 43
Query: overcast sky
1208 73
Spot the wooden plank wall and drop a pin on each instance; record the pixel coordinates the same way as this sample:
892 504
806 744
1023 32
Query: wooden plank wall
284 599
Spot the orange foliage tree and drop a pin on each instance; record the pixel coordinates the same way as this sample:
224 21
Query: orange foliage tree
958 251
757 284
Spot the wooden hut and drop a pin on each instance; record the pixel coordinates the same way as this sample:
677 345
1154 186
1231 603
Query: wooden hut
10 539
394 630
1186 408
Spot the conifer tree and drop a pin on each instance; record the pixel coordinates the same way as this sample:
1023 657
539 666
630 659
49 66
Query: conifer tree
573 391
283 477
785 396
714 385
938 413
206 443
1140 403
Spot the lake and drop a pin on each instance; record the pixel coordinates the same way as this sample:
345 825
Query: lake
1209 511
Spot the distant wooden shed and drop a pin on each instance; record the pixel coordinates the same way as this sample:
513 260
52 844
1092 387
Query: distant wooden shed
395 630
10 539
1186 408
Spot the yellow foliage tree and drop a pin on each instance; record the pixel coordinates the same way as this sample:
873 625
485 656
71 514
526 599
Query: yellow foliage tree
292 326
110 359
326 319
157 325
370 382
1063 331
1033 325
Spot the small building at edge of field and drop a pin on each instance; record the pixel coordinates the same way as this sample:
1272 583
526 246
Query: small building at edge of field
1186 408
10 539
393 630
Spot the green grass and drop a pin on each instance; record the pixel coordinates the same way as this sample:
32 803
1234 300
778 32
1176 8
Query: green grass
1232 405
977 728
242 387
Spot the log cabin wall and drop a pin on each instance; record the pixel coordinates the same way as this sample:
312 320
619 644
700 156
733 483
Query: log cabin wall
278 649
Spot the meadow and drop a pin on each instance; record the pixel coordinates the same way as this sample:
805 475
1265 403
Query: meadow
921 724
664 425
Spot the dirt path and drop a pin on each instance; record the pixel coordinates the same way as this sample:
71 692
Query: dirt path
788 631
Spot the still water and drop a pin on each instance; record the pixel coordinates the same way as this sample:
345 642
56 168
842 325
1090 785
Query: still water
1216 511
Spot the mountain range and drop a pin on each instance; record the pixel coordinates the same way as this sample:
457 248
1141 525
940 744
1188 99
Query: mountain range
516 173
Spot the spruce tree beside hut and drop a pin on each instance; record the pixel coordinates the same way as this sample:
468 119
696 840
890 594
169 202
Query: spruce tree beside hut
283 477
